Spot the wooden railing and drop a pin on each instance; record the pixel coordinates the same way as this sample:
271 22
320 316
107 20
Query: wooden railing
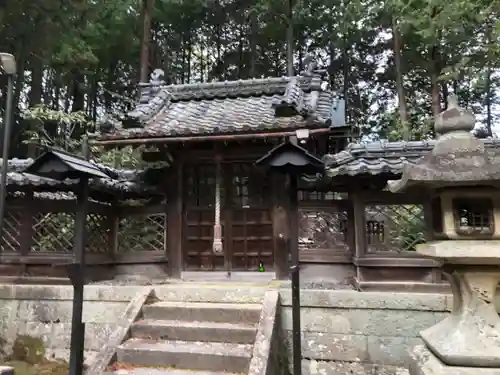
39 234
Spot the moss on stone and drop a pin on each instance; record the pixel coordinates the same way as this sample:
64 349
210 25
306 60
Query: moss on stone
46 368
3 344
28 349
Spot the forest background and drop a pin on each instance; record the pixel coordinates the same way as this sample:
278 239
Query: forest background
395 62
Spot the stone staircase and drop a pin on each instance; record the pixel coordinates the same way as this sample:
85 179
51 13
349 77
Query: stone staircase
191 338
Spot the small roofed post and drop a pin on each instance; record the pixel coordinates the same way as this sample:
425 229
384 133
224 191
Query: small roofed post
462 174
293 161
62 166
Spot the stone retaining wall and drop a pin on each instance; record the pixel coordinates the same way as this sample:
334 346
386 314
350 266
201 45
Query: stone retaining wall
344 332
347 332
45 310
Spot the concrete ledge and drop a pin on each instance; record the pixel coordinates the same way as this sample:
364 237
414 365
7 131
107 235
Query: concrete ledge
312 367
363 322
402 286
348 299
195 292
262 362
98 293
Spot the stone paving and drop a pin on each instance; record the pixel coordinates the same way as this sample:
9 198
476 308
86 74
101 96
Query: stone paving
313 278
153 371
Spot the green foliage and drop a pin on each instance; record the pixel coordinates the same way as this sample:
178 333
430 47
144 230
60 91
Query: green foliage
28 349
88 52
63 126
413 232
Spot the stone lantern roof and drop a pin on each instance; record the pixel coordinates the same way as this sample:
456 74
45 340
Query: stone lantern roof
458 158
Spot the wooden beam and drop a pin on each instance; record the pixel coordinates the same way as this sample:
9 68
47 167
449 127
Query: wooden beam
201 138
400 260
359 221
175 220
114 228
142 210
26 230
281 231
227 219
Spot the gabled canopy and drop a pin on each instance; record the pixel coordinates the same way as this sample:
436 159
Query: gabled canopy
125 184
62 166
291 158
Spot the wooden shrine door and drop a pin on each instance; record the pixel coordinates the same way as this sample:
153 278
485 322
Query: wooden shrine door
245 218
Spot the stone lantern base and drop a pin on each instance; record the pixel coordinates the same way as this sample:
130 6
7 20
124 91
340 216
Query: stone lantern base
467 341
423 362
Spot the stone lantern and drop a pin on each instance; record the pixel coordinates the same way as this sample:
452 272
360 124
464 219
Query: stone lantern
462 176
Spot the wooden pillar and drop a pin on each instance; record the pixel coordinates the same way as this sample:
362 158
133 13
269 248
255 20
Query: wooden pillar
360 245
114 228
175 215
351 237
26 230
437 273
227 219
280 214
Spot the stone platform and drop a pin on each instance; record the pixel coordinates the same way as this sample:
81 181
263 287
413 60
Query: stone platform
153 371
423 362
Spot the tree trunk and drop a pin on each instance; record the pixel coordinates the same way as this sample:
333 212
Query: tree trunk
488 91
241 64
346 76
435 87
289 40
202 60
188 56
35 95
146 15
445 93
77 93
403 108
110 78
253 44
435 71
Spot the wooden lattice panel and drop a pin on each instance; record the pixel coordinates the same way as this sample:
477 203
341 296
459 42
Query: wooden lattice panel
394 228
11 232
97 233
53 232
321 229
142 233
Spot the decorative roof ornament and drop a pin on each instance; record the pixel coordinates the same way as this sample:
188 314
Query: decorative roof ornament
312 70
457 159
157 77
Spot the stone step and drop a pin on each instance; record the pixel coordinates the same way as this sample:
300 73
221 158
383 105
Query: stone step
207 356
194 331
224 292
203 312
163 371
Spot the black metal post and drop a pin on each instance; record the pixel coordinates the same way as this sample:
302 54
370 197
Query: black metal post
295 276
77 276
7 126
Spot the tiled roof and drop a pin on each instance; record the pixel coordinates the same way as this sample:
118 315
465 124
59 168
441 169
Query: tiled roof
228 107
124 181
381 157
